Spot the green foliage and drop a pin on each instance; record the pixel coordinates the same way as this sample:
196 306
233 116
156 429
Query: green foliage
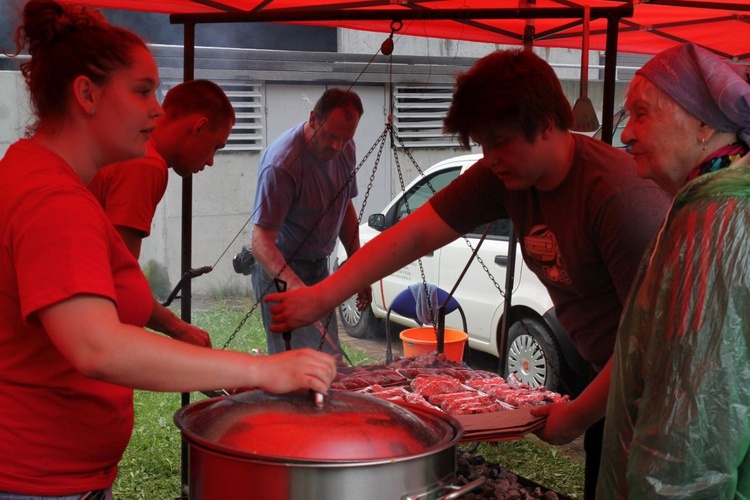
236 287
539 462
151 466
158 279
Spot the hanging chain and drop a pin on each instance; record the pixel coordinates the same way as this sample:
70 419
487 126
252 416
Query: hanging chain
466 240
408 211
329 317
241 324
380 140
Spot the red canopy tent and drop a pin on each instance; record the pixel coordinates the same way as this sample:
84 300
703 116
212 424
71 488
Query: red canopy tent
644 26
636 26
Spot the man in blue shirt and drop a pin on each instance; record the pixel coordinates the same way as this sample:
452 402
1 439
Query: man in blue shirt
303 203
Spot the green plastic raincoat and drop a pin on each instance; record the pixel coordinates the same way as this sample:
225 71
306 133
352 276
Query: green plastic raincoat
678 415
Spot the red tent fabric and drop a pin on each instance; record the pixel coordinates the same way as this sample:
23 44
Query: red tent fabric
653 26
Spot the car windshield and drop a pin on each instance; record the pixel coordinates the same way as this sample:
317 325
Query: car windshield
423 191
619 121
499 228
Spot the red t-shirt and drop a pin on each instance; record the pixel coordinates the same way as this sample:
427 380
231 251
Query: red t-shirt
60 432
130 191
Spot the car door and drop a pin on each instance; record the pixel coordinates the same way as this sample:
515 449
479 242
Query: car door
480 298
414 197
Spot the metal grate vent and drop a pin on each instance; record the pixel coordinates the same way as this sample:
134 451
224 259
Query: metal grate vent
418 115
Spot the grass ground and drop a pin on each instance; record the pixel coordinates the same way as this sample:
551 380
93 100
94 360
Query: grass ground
151 466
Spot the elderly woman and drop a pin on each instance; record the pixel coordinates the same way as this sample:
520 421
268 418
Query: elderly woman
679 401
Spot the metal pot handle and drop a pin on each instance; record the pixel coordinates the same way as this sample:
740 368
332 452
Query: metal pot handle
458 492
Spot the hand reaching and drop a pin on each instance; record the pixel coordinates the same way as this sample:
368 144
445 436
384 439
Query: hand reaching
192 335
562 425
364 299
297 369
296 308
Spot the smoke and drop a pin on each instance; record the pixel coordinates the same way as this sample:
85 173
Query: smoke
156 28
10 18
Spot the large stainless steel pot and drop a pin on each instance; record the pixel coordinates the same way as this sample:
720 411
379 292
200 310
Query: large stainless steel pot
256 445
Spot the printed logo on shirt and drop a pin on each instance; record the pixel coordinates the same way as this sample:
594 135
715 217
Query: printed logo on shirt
541 246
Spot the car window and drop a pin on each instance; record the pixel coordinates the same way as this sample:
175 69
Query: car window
499 228
423 191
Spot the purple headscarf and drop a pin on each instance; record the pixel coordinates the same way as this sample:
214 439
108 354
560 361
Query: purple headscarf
713 90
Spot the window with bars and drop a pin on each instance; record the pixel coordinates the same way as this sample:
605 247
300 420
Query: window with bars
418 115
246 98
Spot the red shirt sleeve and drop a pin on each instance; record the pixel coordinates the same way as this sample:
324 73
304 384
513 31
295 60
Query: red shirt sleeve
130 191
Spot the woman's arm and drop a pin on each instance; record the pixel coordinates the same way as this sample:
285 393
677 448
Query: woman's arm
88 333
566 421
165 321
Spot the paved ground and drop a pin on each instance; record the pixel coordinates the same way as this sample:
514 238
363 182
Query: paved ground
375 348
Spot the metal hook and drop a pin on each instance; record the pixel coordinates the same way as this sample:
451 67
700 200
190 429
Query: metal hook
387 46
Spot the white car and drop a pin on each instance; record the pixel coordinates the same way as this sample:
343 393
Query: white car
539 351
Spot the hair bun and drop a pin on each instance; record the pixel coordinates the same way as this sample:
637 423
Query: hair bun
46 21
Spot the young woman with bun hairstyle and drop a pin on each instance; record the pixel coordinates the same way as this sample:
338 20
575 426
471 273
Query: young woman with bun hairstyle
73 301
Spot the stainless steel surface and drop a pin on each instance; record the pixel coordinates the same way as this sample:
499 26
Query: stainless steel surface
219 469
348 426
220 476
451 492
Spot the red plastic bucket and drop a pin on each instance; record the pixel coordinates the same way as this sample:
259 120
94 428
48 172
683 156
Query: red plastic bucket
422 340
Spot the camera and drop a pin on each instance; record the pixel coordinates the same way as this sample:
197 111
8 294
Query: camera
244 262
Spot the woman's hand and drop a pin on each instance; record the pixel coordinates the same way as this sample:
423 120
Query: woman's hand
296 369
563 423
568 420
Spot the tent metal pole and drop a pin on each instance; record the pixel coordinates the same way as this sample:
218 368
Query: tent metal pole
187 239
505 322
292 15
610 74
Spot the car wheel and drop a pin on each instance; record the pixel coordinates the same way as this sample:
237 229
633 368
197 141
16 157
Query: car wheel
359 324
533 354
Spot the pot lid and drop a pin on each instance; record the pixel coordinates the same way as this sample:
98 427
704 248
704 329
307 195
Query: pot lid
347 426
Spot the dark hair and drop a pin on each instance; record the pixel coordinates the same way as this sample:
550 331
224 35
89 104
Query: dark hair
66 41
507 90
335 98
199 97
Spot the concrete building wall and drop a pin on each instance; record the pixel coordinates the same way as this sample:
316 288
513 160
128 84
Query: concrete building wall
14 108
